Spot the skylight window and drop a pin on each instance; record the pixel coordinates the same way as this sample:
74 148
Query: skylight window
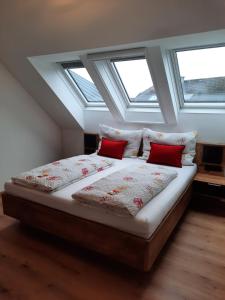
201 76
83 82
136 80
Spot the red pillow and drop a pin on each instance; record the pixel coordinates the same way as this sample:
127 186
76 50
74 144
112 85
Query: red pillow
112 148
169 155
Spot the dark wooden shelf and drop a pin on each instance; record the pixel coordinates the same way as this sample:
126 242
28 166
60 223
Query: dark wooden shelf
206 196
90 143
209 193
210 178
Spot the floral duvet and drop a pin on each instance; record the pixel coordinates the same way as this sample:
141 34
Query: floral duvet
59 174
125 192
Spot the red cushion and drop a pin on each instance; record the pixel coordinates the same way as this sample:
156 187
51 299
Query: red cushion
112 148
169 155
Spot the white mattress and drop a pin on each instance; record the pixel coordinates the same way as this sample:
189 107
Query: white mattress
142 225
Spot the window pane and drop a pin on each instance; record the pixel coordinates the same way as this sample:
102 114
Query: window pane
136 79
85 84
202 73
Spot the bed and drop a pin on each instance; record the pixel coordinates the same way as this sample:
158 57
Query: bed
134 241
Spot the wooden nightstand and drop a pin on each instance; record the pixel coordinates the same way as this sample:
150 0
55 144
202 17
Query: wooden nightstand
209 192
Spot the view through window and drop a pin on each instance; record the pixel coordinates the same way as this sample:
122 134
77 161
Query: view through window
202 74
136 79
84 82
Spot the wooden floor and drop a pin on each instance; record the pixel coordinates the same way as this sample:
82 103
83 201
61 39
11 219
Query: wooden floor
36 266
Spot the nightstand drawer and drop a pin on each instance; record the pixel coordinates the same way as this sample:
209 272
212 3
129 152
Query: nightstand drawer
209 189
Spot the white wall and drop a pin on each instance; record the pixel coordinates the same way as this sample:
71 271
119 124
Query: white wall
210 127
72 142
206 122
28 137
40 27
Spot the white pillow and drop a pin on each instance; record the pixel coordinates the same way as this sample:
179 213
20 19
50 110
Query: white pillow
133 137
188 139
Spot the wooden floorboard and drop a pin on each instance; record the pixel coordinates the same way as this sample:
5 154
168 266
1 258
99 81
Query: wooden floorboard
34 265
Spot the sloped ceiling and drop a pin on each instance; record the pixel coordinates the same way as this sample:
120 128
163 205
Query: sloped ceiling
37 27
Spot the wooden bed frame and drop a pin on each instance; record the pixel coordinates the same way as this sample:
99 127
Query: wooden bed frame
134 251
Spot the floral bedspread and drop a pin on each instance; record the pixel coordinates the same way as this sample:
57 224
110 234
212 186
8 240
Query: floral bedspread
125 192
59 174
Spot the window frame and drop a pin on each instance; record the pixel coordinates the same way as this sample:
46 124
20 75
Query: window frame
76 64
155 58
121 86
177 78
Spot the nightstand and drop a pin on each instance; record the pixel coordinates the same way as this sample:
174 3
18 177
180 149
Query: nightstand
209 192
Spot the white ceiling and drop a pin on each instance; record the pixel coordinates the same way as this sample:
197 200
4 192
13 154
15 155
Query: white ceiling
37 27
